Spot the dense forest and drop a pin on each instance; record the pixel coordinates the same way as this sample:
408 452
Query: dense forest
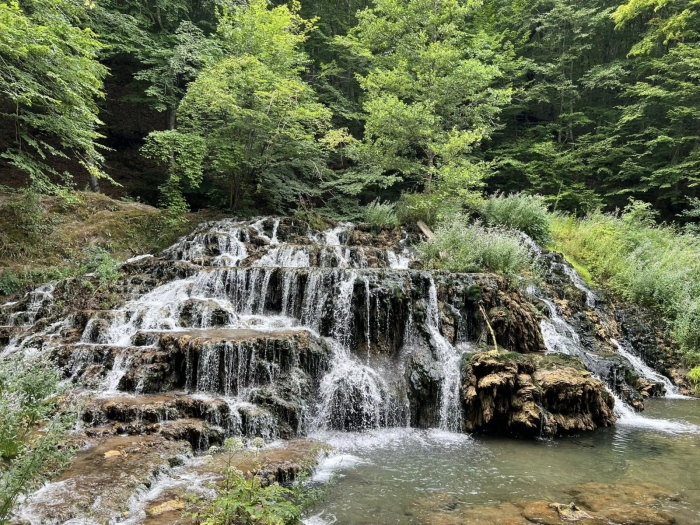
326 106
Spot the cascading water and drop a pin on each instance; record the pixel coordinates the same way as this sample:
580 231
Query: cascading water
265 328
592 301
645 371
449 358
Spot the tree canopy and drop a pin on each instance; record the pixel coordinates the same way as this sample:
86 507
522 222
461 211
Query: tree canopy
258 105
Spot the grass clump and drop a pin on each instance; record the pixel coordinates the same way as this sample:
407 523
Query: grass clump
651 265
694 376
9 283
460 246
381 214
527 213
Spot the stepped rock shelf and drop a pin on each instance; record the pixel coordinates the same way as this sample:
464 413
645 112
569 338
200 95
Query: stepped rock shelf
267 328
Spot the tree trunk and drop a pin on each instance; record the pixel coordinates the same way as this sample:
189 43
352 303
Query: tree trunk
170 115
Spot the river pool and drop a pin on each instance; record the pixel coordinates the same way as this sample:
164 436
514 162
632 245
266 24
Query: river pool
404 476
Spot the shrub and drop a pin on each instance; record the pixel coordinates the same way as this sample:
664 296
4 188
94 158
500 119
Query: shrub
430 208
249 501
527 213
9 283
28 401
694 376
381 214
462 247
104 266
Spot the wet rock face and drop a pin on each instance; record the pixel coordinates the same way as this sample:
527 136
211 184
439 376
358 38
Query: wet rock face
532 395
108 473
603 330
271 328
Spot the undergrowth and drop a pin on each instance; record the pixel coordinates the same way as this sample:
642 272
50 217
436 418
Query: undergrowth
460 246
656 266
28 401
44 238
381 214
527 213
249 499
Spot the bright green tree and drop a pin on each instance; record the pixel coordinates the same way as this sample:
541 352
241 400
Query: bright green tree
50 80
259 121
433 92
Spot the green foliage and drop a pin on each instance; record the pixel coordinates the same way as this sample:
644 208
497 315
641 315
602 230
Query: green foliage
184 154
381 214
454 193
463 247
25 224
651 265
259 120
527 213
27 401
104 266
607 106
243 501
9 283
432 92
694 376
49 82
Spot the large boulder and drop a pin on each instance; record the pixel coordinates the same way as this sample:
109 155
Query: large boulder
532 395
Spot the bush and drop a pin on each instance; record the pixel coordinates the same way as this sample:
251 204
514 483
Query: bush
462 247
104 266
527 213
694 376
9 283
430 208
28 401
249 501
381 214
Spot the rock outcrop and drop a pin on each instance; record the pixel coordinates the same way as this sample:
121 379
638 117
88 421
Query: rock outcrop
532 395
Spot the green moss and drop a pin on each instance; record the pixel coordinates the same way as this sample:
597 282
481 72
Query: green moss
44 238
582 271
551 361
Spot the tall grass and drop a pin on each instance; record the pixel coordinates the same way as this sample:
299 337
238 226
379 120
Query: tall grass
647 264
462 247
527 213
381 214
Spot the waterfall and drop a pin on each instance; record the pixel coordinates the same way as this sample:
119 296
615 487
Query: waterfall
241 292
649 373
640 368
449 358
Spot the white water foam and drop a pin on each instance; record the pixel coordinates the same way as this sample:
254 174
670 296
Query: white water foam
649 373
449 358
627 417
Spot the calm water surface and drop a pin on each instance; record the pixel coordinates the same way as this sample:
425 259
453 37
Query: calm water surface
379 476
